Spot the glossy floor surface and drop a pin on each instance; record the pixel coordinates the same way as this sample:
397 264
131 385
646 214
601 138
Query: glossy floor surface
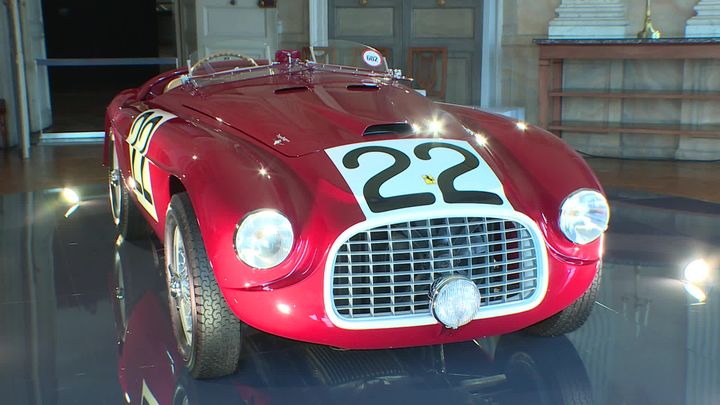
83 320
52 166
58 166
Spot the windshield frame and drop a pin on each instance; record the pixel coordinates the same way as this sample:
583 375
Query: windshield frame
274 68
329 67
216 77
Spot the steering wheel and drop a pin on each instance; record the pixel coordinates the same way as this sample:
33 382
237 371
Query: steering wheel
226 55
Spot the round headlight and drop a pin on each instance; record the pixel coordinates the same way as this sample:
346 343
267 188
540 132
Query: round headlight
454 301
584 216
264 239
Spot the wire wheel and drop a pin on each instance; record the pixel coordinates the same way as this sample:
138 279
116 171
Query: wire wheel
179 285
115 185
128 219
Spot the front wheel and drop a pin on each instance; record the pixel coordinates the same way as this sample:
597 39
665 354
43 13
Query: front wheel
571 318
208 334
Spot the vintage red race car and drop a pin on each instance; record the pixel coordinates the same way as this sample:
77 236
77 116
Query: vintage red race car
324 200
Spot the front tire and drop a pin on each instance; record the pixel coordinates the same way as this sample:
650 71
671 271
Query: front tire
571 318
208 334
127 217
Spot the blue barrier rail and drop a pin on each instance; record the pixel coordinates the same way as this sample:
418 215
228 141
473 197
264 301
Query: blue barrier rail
83 62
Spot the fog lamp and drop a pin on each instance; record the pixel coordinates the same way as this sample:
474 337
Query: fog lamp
454 301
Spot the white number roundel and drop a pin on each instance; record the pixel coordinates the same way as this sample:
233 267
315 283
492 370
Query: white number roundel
372 58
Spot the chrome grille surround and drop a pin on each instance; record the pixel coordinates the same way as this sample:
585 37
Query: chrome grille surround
379 274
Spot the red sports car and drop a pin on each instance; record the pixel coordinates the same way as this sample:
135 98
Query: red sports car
323 200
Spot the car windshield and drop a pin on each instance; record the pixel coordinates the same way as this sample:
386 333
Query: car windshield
334 55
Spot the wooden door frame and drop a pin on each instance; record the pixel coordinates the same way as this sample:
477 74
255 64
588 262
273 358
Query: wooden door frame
491 66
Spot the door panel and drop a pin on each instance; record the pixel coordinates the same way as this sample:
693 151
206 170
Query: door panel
368 22
237 25
443 23
456 26
378 24
460 66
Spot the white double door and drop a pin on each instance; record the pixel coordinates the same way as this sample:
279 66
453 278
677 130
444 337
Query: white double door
399 25
232 25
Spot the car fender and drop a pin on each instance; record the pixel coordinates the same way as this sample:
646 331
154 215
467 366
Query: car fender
538 170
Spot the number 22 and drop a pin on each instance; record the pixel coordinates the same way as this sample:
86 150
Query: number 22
446 179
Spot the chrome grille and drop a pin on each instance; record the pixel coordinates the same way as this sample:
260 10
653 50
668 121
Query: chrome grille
388 270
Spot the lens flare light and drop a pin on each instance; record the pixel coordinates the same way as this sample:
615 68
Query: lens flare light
696 292
435 127
284 308
70 195
697 271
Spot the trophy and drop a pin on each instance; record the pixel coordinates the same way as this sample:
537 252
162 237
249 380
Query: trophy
649 32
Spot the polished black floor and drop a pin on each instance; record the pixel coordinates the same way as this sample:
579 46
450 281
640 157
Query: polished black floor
83 320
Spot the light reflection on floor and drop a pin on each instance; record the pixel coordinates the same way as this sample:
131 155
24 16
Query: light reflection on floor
84 320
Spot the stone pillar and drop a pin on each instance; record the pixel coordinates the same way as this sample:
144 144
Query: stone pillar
707 21
589 19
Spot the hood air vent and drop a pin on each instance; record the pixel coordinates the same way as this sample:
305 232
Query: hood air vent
400 128
363 87
293 89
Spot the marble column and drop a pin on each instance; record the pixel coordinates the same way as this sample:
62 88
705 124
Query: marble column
589 19
707 21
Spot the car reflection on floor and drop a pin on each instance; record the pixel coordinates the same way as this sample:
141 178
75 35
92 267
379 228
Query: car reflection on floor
652 337
508 369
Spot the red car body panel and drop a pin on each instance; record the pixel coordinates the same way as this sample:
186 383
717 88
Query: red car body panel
222 150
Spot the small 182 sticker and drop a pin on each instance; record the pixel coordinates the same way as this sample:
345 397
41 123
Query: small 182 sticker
372 58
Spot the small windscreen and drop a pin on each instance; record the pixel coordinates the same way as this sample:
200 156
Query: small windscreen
335 55
349 54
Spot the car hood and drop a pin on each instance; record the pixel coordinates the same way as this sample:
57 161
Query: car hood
299 117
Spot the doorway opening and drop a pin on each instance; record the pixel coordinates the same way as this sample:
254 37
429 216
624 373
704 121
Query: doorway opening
95 49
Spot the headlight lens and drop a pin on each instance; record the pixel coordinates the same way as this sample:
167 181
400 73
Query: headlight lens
584 216
264 239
